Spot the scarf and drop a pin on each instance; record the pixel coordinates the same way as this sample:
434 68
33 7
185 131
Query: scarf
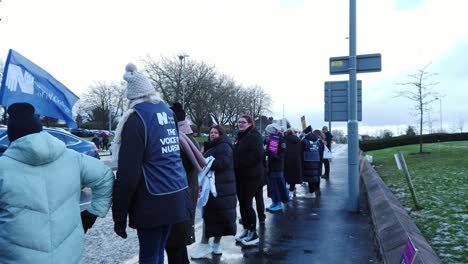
184 127
155 99
192 152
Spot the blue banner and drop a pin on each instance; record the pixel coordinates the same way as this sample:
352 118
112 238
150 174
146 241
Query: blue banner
24 81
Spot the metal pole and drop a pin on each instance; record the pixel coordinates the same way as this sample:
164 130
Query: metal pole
329 108
182 61
440 99
110 118
353 139
408 180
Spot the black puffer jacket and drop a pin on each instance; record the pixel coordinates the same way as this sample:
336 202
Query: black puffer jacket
312 170
219 213
248 156
293 160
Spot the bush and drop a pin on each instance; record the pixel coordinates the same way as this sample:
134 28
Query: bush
376 144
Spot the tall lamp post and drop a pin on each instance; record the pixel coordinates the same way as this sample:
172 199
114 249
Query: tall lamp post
182 62
440 111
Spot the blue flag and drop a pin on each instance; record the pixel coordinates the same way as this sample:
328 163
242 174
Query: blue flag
24 81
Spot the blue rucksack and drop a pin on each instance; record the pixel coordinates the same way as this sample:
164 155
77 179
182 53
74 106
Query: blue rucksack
312 150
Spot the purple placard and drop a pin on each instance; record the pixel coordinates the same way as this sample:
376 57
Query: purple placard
273 144
409 253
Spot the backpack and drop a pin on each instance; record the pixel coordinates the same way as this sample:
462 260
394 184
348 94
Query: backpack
312 150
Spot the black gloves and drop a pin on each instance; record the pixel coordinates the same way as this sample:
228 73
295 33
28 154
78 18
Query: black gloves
87 220
119 229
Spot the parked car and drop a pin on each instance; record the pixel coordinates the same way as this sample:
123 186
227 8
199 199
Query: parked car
80 132
71 141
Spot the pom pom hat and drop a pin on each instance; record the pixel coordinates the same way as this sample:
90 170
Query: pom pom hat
138 85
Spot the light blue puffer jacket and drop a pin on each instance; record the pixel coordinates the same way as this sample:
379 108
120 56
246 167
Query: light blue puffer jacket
40 185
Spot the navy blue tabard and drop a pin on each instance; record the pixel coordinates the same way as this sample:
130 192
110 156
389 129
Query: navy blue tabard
162 166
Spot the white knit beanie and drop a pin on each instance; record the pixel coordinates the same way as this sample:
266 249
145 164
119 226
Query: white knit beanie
272 128
138 85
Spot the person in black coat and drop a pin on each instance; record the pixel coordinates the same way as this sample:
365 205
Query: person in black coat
293 159
326 162
312 170
152 196
96 141
248 166
219 214
183 234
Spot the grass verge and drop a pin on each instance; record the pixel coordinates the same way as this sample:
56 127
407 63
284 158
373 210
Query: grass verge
440 178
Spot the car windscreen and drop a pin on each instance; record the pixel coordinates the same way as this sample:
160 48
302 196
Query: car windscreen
3 137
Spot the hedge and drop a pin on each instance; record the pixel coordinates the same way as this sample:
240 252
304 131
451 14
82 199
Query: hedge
376 144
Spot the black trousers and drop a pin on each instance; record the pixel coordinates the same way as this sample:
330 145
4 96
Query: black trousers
326 162
177 255
260 204
246 191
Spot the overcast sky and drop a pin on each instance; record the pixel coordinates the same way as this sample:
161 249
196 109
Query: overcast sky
282 45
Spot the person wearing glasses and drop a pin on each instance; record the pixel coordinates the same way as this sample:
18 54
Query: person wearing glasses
248 167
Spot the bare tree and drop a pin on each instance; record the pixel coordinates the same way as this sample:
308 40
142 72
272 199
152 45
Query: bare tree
199 96
168 76
226 100
458 125
206 91
339 136
419 91
100 99
258 101
461 124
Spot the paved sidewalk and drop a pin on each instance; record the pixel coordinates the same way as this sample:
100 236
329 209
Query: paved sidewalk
308 230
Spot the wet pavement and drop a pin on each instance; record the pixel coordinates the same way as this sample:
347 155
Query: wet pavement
308 230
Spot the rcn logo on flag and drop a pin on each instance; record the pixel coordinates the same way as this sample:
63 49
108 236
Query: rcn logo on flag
24 81
16 78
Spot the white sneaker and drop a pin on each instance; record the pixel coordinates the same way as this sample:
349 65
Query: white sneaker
201 250
216 248
291 195
251 239
241 236
309 195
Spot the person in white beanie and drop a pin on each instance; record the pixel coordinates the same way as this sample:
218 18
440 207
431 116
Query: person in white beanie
151 184
275 152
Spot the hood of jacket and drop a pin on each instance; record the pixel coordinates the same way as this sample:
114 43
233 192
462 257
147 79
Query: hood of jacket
36 149
311 136
292 139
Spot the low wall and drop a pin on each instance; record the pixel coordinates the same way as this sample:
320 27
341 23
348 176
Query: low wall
392 224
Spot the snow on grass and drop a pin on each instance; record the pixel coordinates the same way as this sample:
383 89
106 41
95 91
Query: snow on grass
441 183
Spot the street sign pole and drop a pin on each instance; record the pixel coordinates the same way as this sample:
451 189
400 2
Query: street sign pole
329 108
353 139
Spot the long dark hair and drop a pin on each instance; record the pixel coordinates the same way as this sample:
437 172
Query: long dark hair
249 119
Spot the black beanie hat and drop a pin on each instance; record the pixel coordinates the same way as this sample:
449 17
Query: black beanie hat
178 111
22 121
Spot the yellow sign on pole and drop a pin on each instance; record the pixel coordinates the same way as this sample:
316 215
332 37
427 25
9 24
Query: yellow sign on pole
303 122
